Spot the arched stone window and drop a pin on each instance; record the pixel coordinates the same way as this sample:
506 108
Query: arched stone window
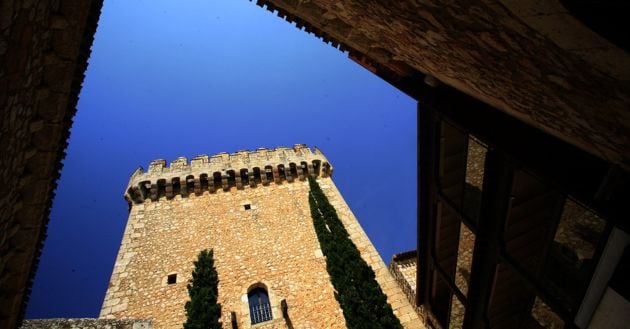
259 306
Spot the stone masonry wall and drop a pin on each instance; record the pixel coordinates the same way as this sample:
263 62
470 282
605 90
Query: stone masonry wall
403 268
44 46
272 244
223 170
86 324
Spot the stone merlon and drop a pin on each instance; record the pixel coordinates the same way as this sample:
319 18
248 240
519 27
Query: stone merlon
224 171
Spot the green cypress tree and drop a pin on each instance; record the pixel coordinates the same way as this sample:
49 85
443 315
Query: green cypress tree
203 311
363 302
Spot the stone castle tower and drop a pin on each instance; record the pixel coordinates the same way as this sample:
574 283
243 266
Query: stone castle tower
252 209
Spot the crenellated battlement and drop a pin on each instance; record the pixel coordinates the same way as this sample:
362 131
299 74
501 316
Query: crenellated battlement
224 171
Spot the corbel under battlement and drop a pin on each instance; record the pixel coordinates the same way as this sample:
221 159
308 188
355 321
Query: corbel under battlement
224 171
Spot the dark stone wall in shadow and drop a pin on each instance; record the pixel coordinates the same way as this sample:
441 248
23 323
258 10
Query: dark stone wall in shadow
44 47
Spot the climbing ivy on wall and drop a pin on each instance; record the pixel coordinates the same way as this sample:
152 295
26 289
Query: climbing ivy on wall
203 311
363 302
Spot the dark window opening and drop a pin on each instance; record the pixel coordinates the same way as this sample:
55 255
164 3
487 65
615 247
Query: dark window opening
281 172
171 279
269 173
145 189
259 306
257 178
176 186
203 181
247 206
161 185
231 177
244 177
190 184
304 168
217 180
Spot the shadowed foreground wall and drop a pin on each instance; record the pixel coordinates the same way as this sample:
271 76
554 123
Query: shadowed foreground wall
481 49
44 47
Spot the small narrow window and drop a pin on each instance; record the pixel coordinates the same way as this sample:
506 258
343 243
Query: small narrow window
171 279
247 206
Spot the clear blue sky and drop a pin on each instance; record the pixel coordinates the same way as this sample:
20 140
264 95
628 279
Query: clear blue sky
183 78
